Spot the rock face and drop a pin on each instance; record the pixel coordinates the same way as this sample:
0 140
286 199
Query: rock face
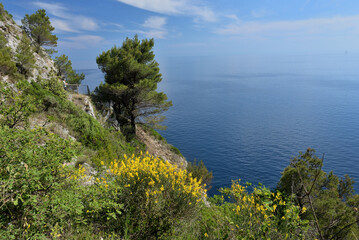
160 149
83 102
45 67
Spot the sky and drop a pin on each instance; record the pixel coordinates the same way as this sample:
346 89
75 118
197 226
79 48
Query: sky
186 28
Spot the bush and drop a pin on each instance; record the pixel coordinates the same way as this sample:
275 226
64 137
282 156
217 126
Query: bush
200 171
7 65
156 191
24 57
15 106
32 183
263 214
331 202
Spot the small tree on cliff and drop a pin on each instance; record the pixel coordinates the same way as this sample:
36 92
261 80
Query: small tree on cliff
38 27
131 77
24 57
64 68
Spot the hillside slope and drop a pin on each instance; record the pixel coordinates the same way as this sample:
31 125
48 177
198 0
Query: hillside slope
44 72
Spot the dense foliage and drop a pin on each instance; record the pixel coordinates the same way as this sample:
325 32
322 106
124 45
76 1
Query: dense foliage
15 106
64 69
31 182
7 65
72 178
131 78
38 27
25 60
331 203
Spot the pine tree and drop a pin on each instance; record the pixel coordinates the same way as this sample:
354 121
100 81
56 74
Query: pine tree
7 65
38 27
332 206
64 69
131 78
24 57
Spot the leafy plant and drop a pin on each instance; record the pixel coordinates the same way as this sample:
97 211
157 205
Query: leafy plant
32 180
200 171
330 202
7 65
24 57
154 190
15 106
64 69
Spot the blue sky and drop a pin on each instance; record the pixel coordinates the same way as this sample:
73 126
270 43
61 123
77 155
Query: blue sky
200 27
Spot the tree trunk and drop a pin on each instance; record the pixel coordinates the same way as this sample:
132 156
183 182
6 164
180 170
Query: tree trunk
133 124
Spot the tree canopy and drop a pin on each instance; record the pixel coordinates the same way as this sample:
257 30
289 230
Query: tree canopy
331 202
131 78
38 27
24 57
64 68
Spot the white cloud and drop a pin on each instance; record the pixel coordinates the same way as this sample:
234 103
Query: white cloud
62 25
232 16
175 7
259 13
54 9
154 27
309 27
81 41
160 34
65 21
155 22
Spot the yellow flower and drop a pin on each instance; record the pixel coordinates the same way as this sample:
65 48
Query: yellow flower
304 209
206 235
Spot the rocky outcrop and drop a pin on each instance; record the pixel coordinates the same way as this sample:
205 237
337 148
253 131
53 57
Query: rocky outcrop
160 148
45 67
84 102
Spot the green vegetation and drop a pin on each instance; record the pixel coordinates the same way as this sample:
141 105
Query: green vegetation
64 69
2 12
7 65
32 179
24 57
15 107
200 171
4 15
63 175
331 203
131 78
38 27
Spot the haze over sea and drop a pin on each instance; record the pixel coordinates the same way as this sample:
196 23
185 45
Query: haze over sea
247 116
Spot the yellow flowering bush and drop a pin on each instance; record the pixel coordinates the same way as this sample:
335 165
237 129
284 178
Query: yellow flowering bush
263 214
154 194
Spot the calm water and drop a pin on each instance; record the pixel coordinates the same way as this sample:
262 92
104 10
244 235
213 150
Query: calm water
246 117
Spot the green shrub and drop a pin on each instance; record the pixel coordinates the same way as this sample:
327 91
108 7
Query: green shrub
176 150
262 214
7 65
157 192
2 12
331 202
15 106
200 171
153 133
24 57
36 194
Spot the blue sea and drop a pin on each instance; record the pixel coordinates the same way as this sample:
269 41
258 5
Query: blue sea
247 116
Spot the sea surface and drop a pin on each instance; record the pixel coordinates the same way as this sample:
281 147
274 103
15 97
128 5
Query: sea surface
247 116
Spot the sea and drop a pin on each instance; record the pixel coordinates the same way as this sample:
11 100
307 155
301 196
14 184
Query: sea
246 117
